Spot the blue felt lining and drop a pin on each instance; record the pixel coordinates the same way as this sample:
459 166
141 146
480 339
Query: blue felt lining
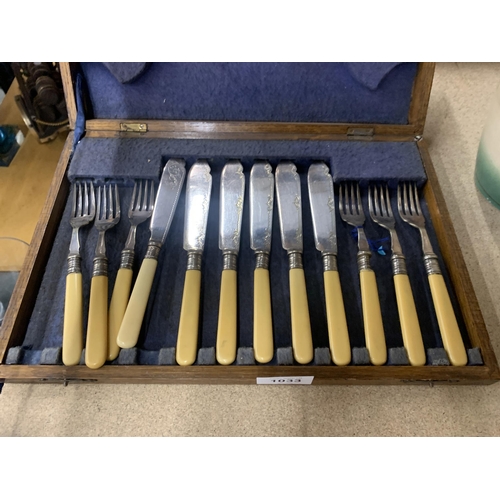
282 92
123 159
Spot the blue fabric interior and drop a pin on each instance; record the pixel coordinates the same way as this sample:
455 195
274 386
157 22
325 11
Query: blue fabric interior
125 159
282 92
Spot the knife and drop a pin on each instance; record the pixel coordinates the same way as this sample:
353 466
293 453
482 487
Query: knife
167 197
232 194
261 221
198 189
322 200
290 215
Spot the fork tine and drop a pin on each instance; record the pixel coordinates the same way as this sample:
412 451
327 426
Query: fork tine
145 196
358 194
353 206
377 206
134 193
341 198
92 200
117 202
85 200
139 197
389 207
406 208
370 200
99 192
417 201
411 195
383 203
75 196
151 196
104 204
79 207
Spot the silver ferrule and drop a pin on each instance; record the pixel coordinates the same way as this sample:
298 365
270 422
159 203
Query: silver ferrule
127 259
74 264
100 267
363 259
295 260
329 262
230 261
153 250
194 261
431 264
398 262
261 260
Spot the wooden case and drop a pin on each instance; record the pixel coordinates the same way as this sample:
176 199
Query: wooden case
22 302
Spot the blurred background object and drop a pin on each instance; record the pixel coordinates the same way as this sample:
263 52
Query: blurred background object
41 102
487 174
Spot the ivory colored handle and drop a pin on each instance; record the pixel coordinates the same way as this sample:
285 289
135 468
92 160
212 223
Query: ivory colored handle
226 328
450 333
301 324
410 327
338 334
187 338
117 308
72 344
130 328
262 317
372 318
96 349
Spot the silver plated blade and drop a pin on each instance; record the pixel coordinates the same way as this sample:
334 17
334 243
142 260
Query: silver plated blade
167 197
321 197
261 206
232 194
198 190
289 206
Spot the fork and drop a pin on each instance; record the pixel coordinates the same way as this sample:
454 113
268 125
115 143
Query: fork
411 212
141 208
107 216
379 204
82 213
351 211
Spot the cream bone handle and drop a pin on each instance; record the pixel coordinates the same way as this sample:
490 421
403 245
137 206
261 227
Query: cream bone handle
408 318
448 326
301 324
372 314
130 327
187 337
96 348
228 318
72 344
338 333
119 301
262 315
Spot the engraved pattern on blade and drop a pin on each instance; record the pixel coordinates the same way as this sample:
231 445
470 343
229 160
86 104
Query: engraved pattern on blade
198 191
289 206
231 206
167 197
322 200
261 206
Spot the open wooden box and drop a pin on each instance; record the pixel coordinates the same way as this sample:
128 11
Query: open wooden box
24 301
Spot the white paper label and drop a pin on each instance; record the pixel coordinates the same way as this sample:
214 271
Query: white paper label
284 380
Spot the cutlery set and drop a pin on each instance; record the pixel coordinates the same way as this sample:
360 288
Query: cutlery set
120 328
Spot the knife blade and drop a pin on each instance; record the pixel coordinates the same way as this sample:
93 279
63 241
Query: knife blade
322 201
290 216
261 222
198 190
232 195
167 196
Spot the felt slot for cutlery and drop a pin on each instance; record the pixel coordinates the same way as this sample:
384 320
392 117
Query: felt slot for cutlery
123 160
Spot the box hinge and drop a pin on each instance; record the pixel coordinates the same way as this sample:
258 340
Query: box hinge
360 132
134 127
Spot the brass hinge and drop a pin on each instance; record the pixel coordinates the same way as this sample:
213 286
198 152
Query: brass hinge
360 132
134 127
